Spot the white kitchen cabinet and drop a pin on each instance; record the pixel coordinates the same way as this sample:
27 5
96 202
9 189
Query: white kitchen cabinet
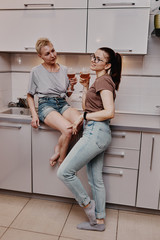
123 29
45 179
127 139
118 3
15 156
149 172
120 184
120 170
123 157
66 28
52 4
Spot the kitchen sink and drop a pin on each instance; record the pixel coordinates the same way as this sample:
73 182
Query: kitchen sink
17 111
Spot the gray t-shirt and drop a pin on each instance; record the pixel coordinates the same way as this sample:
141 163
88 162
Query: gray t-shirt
45 83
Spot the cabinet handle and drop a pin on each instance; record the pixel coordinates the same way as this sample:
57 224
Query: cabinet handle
113 172
118 4
116 154
38 4
123 50
152 153
119 134
10 126
31 48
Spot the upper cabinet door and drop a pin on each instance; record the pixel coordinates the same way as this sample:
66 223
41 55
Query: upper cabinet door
66 28
124 30
40 4
118 3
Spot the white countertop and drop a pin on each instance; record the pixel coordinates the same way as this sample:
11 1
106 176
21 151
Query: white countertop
136 121
128 121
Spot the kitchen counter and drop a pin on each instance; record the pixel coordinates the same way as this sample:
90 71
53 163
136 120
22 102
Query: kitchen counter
16 118
136 122
121 121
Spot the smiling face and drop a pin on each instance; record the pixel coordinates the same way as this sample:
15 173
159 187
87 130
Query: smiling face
48 54
99 62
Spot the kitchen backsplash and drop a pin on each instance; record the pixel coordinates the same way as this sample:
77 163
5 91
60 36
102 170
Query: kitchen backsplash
5 79
139 88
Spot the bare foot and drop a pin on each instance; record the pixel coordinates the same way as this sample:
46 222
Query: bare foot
55 156
53 159
60 161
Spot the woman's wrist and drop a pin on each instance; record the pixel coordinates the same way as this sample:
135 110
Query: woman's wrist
85 115
85 89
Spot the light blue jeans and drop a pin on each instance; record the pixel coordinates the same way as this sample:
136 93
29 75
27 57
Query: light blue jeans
89 150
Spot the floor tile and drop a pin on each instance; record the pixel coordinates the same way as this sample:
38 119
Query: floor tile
10 206
43 216
2 230
14 234
77 216
138 226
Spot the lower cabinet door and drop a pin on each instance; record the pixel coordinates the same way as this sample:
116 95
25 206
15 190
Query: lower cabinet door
45 179
149 172
120 185
15 156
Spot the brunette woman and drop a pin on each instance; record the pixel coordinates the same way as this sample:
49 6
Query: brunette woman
98 105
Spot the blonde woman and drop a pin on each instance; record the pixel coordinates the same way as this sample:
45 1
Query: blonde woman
50 82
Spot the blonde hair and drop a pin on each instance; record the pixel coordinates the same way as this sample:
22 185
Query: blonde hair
41 42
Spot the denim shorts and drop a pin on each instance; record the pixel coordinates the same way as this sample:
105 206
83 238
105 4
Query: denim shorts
49 104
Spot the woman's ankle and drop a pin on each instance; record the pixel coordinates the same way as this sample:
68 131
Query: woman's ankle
100 221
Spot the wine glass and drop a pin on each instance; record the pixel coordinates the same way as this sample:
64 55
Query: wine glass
85 74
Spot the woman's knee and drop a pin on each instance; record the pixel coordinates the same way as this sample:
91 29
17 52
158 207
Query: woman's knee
67 133
60 174
64 175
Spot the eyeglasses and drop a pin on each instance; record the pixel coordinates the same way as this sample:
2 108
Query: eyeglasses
96 59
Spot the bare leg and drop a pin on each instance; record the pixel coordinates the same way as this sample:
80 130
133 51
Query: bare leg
61 123
71 114
100 221
55 156
57 121
63 144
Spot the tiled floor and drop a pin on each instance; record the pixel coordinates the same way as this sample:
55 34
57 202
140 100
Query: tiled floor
35 219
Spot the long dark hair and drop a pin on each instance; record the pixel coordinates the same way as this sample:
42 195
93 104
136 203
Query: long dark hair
116 65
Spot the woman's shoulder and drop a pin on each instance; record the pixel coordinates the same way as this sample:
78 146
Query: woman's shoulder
107 78
62 67
37 68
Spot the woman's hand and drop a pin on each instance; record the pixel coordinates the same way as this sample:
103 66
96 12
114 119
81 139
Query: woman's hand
73 81
85 82
76 124
35 121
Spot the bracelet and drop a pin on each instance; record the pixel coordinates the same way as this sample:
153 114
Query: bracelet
84 115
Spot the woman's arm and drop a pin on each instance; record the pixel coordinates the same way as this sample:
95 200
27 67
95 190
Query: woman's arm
107 113
109 108
85 83
85 89
35 119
